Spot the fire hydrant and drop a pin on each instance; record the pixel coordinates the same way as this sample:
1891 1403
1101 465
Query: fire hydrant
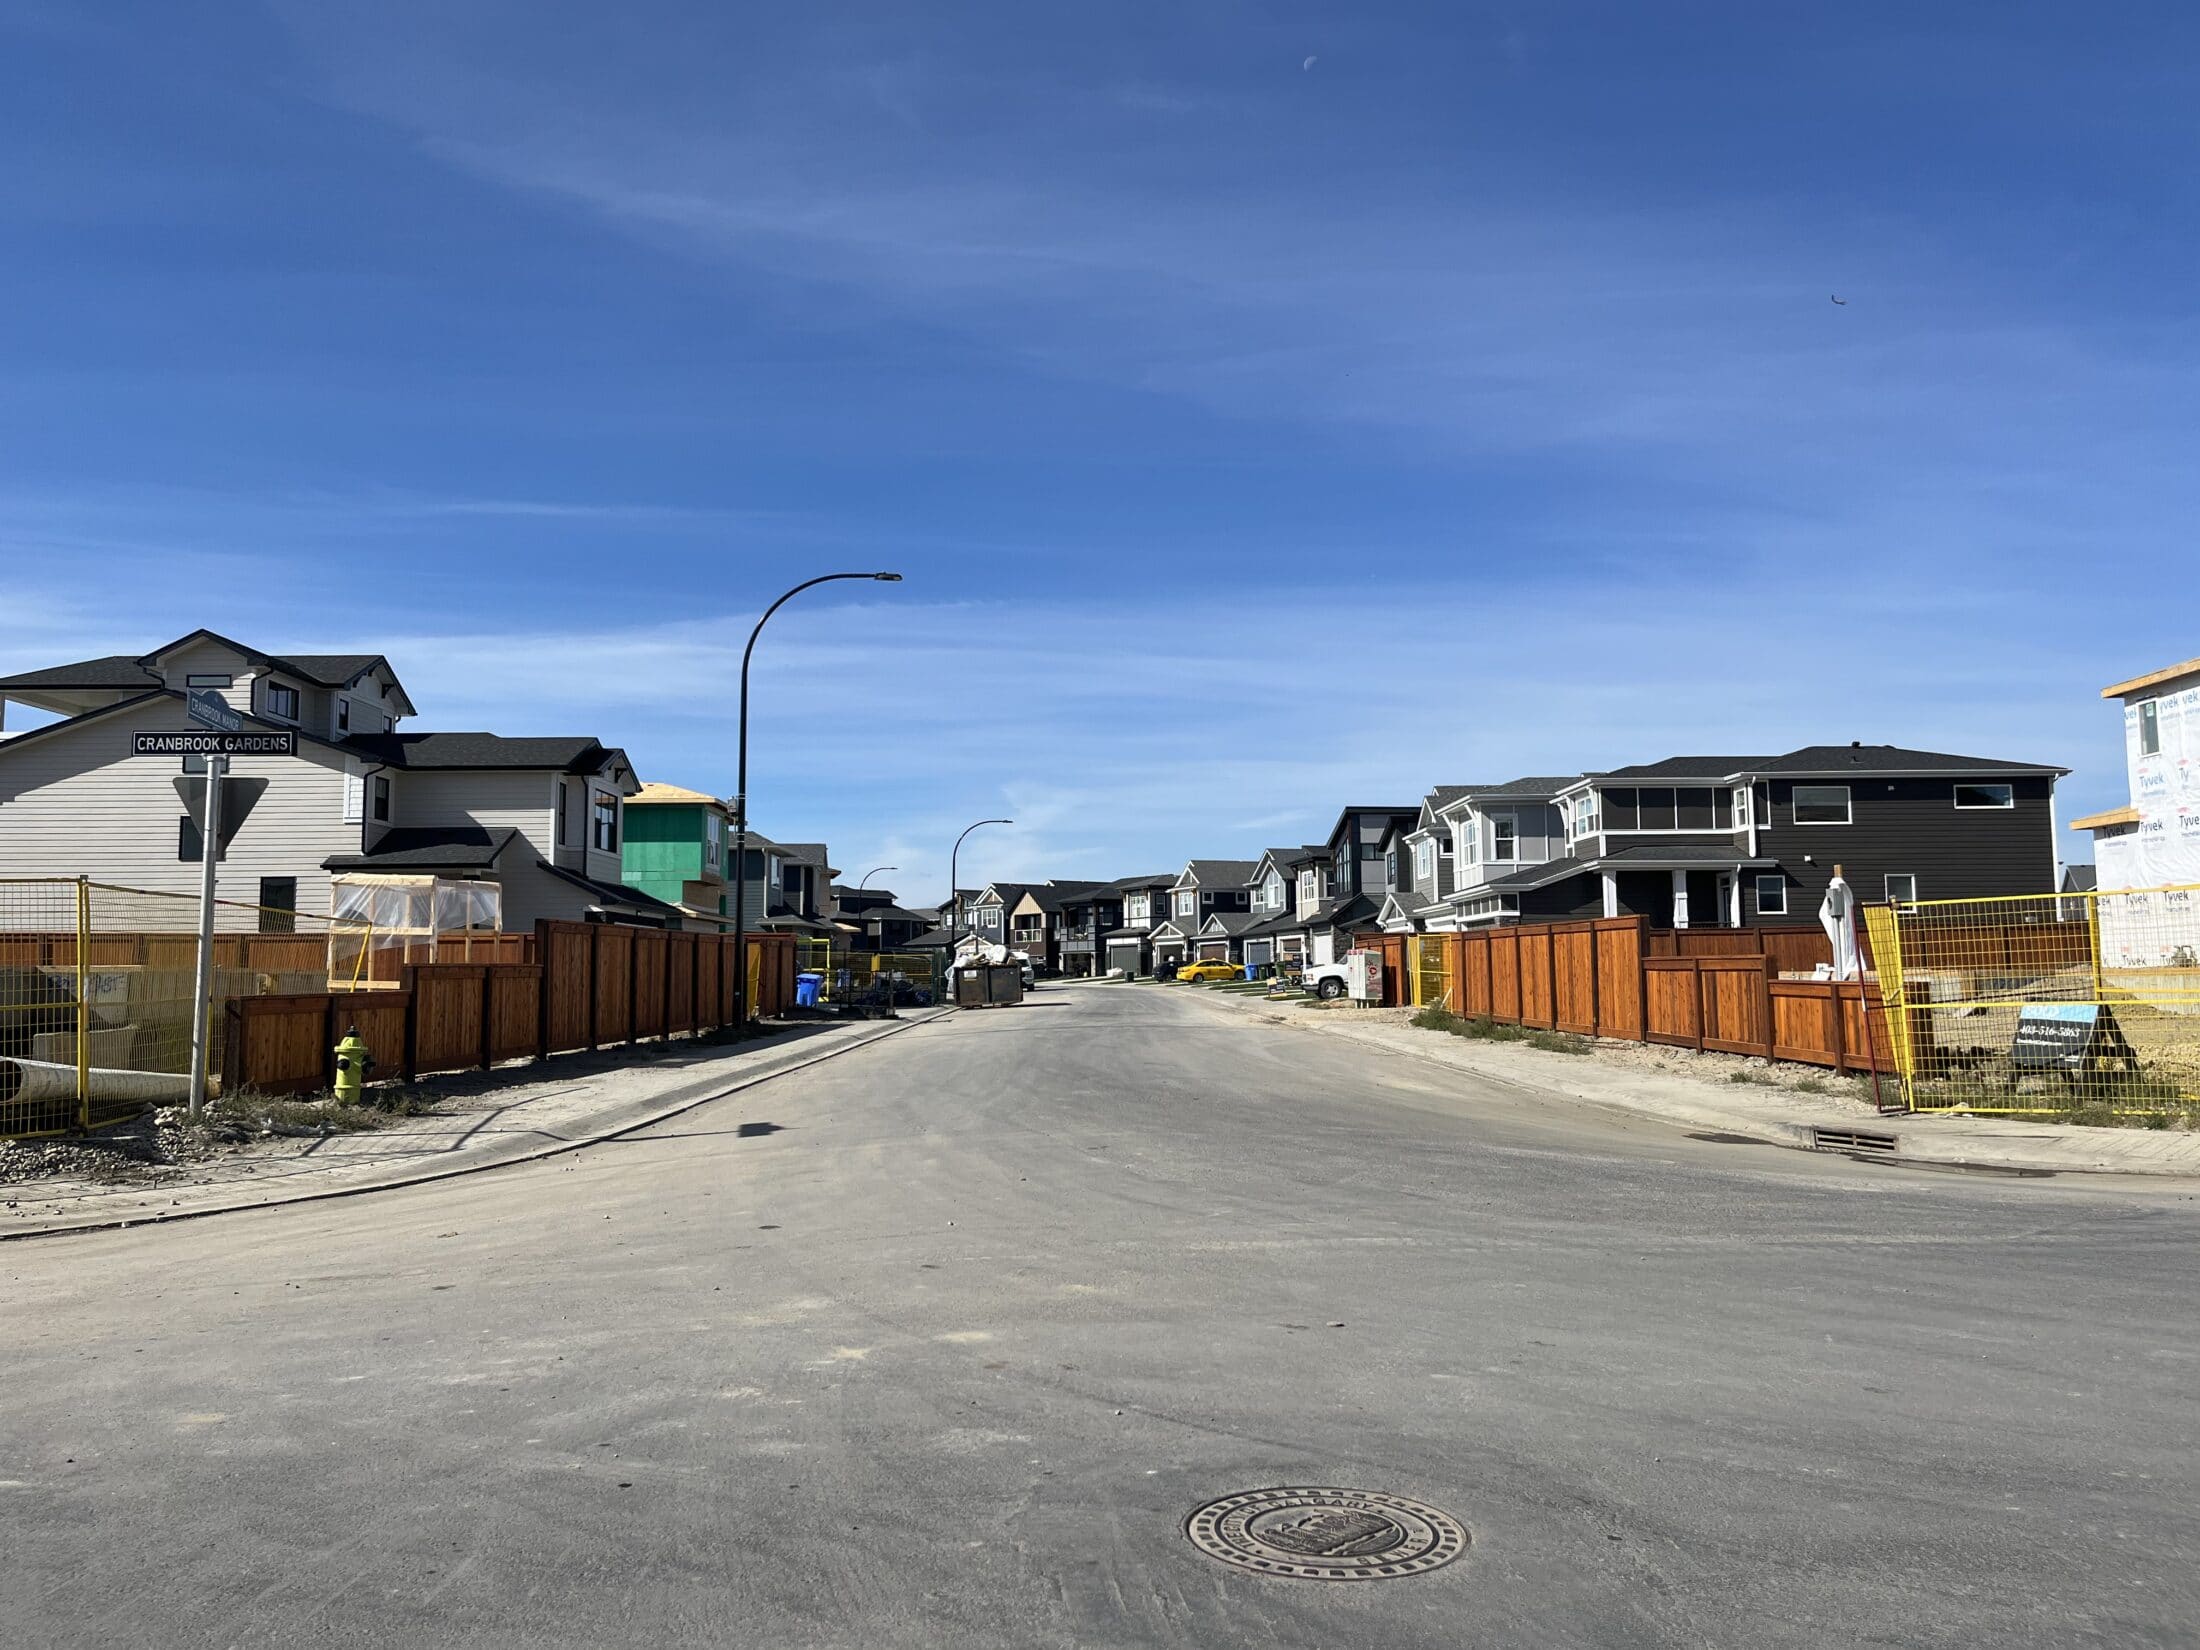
352 1064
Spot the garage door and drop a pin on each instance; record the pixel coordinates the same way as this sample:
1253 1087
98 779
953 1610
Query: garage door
1260 952
1123 954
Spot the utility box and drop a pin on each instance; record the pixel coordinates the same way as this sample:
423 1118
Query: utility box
989 985
1363 976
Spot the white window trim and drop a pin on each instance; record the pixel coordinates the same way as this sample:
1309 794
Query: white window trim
2010 792
1739 823
267 701
1512 858
210 679
1757 893
1848 806
1887 885
1743 797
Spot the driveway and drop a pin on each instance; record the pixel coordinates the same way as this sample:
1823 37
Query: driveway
939 1344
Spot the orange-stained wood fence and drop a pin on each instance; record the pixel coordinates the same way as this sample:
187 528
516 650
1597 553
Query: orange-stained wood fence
1715 989
594 985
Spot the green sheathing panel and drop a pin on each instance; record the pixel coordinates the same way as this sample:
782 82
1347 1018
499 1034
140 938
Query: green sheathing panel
663 851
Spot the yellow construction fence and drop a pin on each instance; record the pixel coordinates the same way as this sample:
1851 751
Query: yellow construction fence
2084 1005
96 992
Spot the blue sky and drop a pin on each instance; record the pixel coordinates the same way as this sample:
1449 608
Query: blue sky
1270 405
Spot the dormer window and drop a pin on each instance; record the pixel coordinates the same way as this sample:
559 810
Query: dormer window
1582 819
282 701
1424 864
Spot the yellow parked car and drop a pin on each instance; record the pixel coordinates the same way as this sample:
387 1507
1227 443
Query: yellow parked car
1199 973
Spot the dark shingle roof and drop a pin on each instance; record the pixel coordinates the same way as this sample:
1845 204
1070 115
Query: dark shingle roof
1817 759
427 847
1223 873
1232 923
483 750
115 670
1690 767
611 893
1535 785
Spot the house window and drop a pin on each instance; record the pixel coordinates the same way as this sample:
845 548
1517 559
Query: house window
604 837
1821 804
382 798
1136 906
282 701
210 681
1772 896
712 835
1424 864
1470 836
278 905
1741 807
343 715
1901 888
1503 844
1187 903
1583 819
557 810
1390 868
1986 796
2150 729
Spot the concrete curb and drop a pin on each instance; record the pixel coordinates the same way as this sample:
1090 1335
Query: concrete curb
1942 1142
687 1103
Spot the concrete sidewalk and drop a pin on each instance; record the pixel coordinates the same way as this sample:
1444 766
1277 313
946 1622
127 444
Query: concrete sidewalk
1649 1082
479 1121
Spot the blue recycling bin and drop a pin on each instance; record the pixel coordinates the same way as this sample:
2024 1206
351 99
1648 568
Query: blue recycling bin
1252 971
806 988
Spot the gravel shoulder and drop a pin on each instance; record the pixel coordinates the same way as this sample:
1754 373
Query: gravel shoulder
1782 1105
157 1168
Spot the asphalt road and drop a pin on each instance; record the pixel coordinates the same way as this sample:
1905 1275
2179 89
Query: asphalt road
939 1343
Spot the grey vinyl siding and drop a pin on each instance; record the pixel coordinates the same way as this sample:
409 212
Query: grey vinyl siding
493 799
1913 825
77 803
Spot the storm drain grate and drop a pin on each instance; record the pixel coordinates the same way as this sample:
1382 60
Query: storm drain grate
1326 1534
1852 1140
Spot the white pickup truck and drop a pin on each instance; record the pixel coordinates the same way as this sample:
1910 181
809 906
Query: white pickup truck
1357 974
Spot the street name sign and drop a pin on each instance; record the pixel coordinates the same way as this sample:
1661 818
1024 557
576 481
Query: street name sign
210 710
185 742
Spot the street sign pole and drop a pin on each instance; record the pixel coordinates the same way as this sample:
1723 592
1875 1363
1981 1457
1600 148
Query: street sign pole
202 992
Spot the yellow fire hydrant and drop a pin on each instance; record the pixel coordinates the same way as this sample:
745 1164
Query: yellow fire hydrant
352 1063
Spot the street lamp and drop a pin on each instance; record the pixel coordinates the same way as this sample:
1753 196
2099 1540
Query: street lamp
954 902
874 871
741 797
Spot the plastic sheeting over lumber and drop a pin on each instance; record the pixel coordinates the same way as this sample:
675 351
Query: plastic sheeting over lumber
49 1080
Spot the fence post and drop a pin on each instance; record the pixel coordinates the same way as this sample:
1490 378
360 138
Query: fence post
664 1029
488 1015
595 943
633 988
1764 1003
329 1034
1703 1017
1840 1038
83 1003
542 997
409 1061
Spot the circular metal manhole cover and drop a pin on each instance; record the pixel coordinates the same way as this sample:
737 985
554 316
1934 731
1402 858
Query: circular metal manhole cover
1326 1534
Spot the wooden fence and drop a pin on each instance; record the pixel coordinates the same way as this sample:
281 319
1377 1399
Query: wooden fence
1689 988
592 985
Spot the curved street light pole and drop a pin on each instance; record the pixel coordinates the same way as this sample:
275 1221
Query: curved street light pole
954 893
872 872
741 799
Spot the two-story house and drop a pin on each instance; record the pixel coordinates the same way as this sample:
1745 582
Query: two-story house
679 849
1287 884
1740 841
1042 922
989 912
1503 838
1145 905
1203 888
2153 840
1084 912
542 817
1419 861
1358 877
869 919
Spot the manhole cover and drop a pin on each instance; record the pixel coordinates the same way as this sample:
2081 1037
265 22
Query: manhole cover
1326 1534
